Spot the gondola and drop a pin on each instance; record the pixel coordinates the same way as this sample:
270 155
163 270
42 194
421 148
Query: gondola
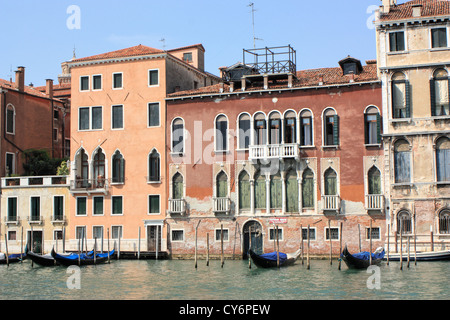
13 258
361 260
83 259
269 260
421 256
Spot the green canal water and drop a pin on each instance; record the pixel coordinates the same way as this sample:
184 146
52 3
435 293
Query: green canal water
180 280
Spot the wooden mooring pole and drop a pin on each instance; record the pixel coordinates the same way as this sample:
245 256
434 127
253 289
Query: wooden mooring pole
370 243
21 247
195 252
388 238
359 237
308 265
340 244
107 231
221 245
301 239
401 246
7 254
409 251
331 243
139 244
278 248
207 249
249 247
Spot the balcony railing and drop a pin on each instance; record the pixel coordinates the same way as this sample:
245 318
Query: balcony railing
177 206
221 205
35 219
44 181
58 219
274 151
331 203
99 185
11 220
374 202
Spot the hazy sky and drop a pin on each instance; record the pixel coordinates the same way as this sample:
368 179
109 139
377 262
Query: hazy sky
40 34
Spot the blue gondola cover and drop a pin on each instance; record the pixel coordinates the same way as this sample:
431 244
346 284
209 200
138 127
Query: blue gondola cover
365 255
273 256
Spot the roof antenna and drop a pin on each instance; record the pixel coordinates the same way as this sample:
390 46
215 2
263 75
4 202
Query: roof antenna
74 53
164 43
252 5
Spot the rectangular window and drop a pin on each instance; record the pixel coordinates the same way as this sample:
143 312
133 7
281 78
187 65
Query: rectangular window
397 41
98 205
375 233
399 100
12 235
306 131
117 205
80 232
83 118
10 167
402 167
153 204
177 235
55 134
153 115
117 117
116 232
334 233
153 77
439 38
97 118
225 234
312 234
244 133
84 83
58 208
97 232
81 206
332 130
97 82
273 234
35 209
12 209
117 80
10 120
371 129
57 235
187 57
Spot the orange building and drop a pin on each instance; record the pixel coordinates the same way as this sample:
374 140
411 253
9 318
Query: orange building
118 181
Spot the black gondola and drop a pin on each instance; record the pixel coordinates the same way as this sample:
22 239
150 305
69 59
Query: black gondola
45 260
13 258
82 259
362 260
269 260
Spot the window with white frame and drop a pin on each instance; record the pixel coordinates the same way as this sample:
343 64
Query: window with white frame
273 234
116 232
90 118
178 136
117 205
154 115
117 117
10 119
397 41
218 234
117 80
97 232
97 206
81 204
58 208
153 77
10 164
306 128
97 82
177 235
154 204
84 83
439 37
244 131
402 161
331 232
221 126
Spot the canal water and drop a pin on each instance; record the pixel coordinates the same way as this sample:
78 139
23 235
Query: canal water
180 280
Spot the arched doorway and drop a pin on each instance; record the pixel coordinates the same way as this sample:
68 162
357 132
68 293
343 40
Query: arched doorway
252 230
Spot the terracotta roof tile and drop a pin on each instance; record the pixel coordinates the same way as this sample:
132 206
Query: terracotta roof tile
430 8
139 50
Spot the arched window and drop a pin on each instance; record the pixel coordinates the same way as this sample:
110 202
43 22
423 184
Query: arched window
260 191
374 181
308 189
222 185
330 177
439 90
372 126
10 119
154 166
244 131
402 162
290 127
178 136
291 191
177 186
244 190
275 128
404 224
118 168
99 168
259 126
82 167
221 133
330 127
443 159
400 96
444 221
306 128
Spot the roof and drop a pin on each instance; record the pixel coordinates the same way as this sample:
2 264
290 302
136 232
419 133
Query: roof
198 45
62 90
430 8
8 85
304 79
139 50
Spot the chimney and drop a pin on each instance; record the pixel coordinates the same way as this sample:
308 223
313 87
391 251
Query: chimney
290 80
417 10
387 4
20 78
49 88
320 80
232 86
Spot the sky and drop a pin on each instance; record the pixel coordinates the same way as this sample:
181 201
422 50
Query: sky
41 34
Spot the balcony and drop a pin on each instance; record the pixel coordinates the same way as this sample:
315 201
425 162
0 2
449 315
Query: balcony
374 202
331 203
35 220
58 220
89 186
177 206
43 181
13 220
274 151
222 205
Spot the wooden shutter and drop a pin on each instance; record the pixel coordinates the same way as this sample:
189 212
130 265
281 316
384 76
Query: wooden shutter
275 192
407 99
222 186
379 124
433 97
260 192
244 191
308 189
336 130
291 193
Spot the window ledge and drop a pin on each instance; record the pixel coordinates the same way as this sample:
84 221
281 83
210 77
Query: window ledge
218 152
242 150
442 183
154 182
308 147
440 49
331 147
405 184
372 145
401 120
394 53
440 117
178 154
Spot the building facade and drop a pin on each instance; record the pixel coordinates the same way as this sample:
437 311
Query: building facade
414 58
117 181
270 152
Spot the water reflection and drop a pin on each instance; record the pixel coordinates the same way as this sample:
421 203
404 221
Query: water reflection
175 280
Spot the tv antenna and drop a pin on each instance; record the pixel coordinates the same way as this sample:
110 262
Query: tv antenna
164 43
252 5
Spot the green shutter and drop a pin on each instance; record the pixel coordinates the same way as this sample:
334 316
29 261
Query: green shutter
122 170
407 99
244 191
336 130
260 192
433 97
222 187
308 189
276 192
292 193
379 128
